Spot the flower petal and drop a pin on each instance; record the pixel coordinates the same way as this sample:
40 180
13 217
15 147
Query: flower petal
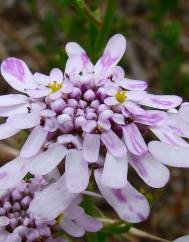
130 205
24 121
151 117
183 119
134 140
133 85
150 170
46 161
89 223
167 135
12 110
169 155
134 108
76 171
12 173
56 75
161 101
184 238
136 96
91 147
34 142
72 228
38 93
73 65
7 131
113 52
52 201
110 101
12 99
114 174
114 144
17 74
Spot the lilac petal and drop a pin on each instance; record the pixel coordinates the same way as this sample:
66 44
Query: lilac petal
110 101
184 238
56 75
89 223
118 118
12 110
34 142
12 173
136 96
73 212
89 126
161 101
114 174
183 119
7 131
13 99
41 79
114 144
112 54
133 85
67 87
17 74
46 161
169 155
73 65
134 140
130 205
134 108
151 117
73 48
24 121
69 138
153 172
91 147
76 171
72 228
52 201
167 135
38 93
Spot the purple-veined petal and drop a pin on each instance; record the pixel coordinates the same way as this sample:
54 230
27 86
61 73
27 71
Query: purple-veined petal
72 228
89 223
76 171
91 147
161 101
167 135
38 93
12 173
34 142
13 99
130 205
41 79
114 173
52 201
134 140
135 96
151 117
24 121
73 65
12 110
169 154
153 172
183 119
113 52
184 238
89 126
7 131
56 75
133 85
17 74
114 144
110 101
134 108
46 161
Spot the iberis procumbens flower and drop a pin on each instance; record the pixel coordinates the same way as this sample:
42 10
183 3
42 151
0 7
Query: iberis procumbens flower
93 119
18 224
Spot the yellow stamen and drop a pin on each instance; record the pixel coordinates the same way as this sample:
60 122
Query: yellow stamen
121 96
59 218
54 86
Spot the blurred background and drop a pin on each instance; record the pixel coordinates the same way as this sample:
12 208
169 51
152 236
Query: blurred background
157 35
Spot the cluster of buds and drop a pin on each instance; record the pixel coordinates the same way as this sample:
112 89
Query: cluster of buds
96 122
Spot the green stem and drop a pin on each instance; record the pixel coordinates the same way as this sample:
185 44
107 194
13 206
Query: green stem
107 23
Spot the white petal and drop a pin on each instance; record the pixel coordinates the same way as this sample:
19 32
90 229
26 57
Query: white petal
91 147
7 131
12 99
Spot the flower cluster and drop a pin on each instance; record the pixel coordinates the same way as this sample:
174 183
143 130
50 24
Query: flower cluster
93 119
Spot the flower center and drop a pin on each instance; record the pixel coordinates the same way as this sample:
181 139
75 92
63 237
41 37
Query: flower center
121 96
54 86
